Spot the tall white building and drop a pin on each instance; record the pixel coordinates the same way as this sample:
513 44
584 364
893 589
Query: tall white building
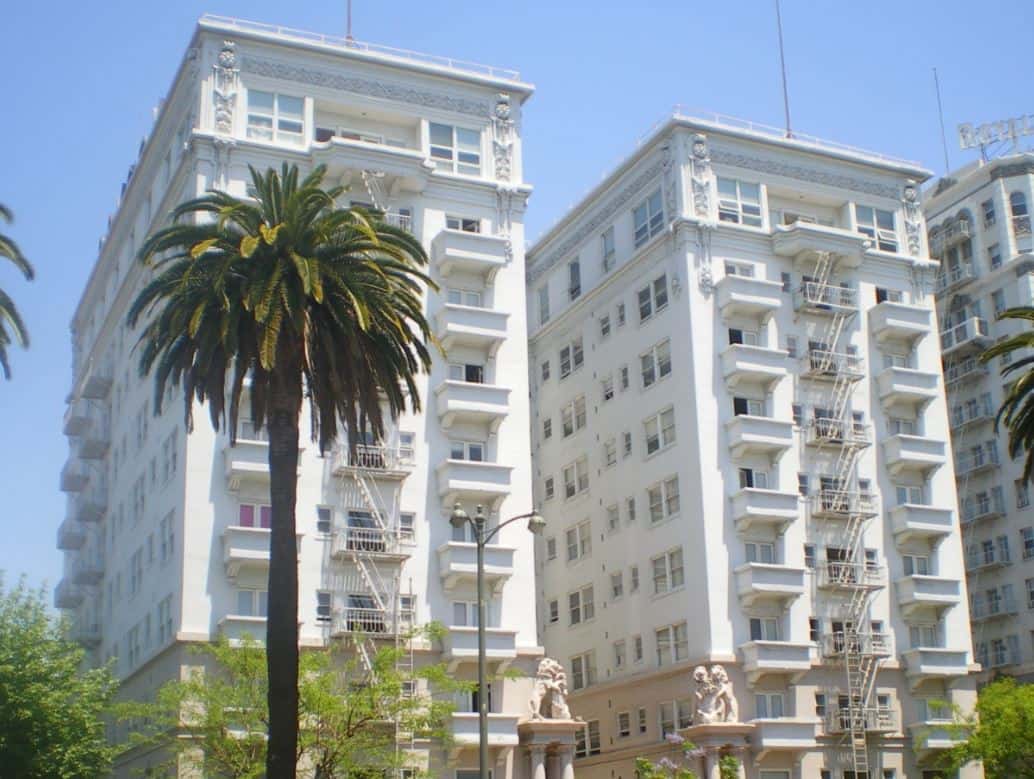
166 536
979 229
742 450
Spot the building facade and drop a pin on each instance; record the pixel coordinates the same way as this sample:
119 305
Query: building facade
979 229
742 452
166 537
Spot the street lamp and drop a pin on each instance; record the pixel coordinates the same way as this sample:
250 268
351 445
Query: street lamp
459 518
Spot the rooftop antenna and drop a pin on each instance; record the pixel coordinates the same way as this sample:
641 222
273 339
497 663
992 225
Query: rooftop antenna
348 34
782 63
940 115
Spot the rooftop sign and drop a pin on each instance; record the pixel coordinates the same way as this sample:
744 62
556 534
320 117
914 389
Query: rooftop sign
971 137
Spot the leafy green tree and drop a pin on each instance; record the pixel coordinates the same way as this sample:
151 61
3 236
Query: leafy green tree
12 328
307 301
51 724
997 733
1017 409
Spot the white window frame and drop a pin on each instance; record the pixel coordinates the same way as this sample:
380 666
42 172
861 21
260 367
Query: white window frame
655 364
276 133
648 218
448 156
653 298
735 204
659 430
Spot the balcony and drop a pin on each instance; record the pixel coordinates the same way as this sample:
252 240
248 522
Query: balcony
87 633
752 507
396 169
892 321
904 453
964 371
97 381
808 241
245 548
988 559
844 575
906 386
464 401
89 505
843 504
379 542
95 438
784 734
753 364
972 414
947 235
479 328
873 719
236 626
750 435
972 335
380 460
986 610
502 730
87 569
456 251
813 297
838 433
986 506
836 645
934 735
457 564
951 279
74 477
748 296
77 417
371 622
246 461
979 459
67 595
765 658
912 521
824 365
477 481
918 593
777 585
70 535
460 645
926 663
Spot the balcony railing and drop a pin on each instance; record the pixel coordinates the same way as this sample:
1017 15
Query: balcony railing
872 644
838 432
991 557
987 506
977 459
870 718
824 363
817 297
843 503
967 414
952 277
970 331
377 457
948 235
373 540
837 573
991 608
965 370
370 620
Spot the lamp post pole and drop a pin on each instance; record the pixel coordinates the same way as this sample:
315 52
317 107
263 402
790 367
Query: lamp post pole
459 518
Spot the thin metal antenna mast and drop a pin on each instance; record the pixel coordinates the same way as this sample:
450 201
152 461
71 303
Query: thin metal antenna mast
940 115
348 35
782 63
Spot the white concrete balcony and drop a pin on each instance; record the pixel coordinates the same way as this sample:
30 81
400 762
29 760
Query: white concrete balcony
465 401
748 296
926 663
77 417
236 626
753 364
89 505
398 169
87 569
806 241
478 481
813 297
97 380
460 645
843 504
784 734
750 435
835 645
245 548
378 460
777 585
378 542
479 328
899 321
972 335
71 534
841 575
905 386
874 719
87 633
825 365
74 476
67 594
456 251
962 372
246 461
502 730
764 658
913 453
94 440
932 736
838 433
919 593
752 507
457 564
911 521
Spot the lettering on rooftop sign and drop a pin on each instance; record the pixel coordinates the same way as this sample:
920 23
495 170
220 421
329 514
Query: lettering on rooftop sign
1005 130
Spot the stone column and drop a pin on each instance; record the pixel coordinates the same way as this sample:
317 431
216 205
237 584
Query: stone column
711 758
538 762
567 762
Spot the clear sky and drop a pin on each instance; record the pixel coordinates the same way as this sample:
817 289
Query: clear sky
80 81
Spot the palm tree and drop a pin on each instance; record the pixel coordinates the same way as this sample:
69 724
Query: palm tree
1017 409
9 316
298 299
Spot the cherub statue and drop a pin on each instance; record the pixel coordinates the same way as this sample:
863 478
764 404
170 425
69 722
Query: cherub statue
730 709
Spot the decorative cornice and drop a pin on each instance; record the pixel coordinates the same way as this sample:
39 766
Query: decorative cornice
602 215
803 173
1013 169
364 86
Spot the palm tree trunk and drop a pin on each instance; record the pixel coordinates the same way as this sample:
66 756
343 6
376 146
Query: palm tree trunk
284 409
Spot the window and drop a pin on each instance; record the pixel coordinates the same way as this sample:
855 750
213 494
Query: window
607 388
653 298
744 269
641 720
998 301
249 515
760 552
674 715
166 538
583 670
660 430
623 377
1030 593
1027 537
663 499
626 444
637 649
630 509
579 541
456 149
655 364
604 326
463 297
607 240
574 285
668 573
672 644
543 304
988 208
472 451
802 484
768 705
748 406
764 629
576 478
251 603
1022 494
468 372
617 585
464 224
571 357
648 218
547 428
324 520
878 225
580 605
814 630
809 556
994 256
551 548
633 579
613 518
621 314
136 571
545 370
739 202
610 453
554 611
550 487
889 295
407 526
739 336
165 620
274 117
624 721
916 565
572 416
751 478
323 607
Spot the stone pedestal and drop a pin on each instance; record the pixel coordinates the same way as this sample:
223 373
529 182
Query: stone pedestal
547 748
717 740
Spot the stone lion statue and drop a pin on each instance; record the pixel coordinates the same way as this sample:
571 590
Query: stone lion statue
549 695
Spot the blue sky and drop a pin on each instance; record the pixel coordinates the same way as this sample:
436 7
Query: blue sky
81 79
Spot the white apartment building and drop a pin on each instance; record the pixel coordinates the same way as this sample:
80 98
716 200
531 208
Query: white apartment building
742 452
979 229
166 536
